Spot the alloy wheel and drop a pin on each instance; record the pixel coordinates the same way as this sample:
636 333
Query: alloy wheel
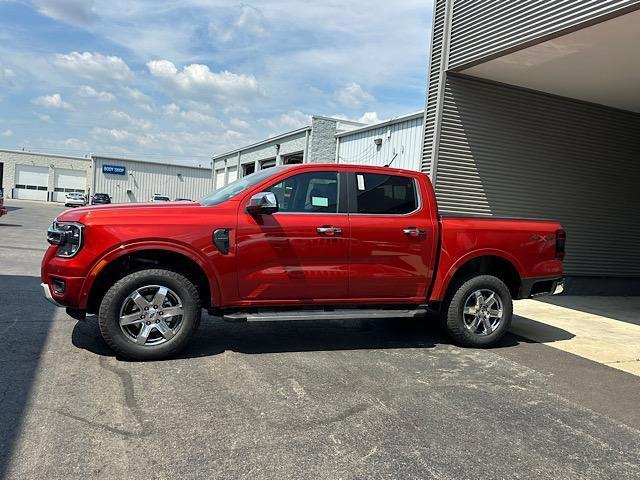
151 315
483 312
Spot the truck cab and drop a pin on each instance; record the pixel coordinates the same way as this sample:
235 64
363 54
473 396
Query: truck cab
309 241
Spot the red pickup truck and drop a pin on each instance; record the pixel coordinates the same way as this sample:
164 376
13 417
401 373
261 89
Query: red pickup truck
311 241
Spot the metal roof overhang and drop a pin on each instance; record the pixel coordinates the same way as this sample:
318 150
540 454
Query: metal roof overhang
598 64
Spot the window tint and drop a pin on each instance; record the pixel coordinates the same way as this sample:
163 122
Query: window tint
385 194
308 192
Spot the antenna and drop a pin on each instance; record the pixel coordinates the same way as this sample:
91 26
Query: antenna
394 157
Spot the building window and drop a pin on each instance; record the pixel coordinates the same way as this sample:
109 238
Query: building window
248 169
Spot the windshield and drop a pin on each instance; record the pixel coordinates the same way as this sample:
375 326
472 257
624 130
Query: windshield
239 186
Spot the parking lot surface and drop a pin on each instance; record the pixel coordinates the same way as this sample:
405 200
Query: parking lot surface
321 400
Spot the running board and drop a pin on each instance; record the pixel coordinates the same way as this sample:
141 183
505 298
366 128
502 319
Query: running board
342 314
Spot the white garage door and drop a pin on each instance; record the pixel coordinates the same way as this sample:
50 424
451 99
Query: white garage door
66 180
232 174
219 178
31 182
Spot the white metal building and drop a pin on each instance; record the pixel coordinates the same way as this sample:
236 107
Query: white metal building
43 176
398 140
127 180
315 143
48 177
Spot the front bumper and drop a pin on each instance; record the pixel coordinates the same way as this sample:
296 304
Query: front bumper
46 290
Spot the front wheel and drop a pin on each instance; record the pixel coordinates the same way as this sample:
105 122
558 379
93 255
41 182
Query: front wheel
479 312
150 314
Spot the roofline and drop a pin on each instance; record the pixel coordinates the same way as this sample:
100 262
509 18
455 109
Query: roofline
262 142
107 157
334 119
393 121
41 154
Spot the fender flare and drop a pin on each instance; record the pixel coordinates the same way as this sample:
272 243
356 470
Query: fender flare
120 250
442 283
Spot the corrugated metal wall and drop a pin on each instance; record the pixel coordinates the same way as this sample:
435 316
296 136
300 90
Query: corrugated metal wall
403 138
505 151
483 28
435 74
143 179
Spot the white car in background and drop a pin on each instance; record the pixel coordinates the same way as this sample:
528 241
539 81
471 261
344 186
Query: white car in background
74 199
159 198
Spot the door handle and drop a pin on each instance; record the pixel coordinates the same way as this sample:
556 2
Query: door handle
414 232
329 231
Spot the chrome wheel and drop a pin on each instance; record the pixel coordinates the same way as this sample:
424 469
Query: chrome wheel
151 315
482 314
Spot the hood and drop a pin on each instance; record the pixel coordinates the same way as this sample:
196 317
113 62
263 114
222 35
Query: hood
118 210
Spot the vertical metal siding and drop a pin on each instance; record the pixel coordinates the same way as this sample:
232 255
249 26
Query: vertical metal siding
145 178
510 152
435 63
403 138
484 28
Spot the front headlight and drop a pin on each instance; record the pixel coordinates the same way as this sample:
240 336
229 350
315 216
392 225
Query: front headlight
68 236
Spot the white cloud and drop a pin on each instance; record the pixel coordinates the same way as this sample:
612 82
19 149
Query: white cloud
198 81
122 136
369 118
93 65
70 11
90 92
353 95
125 118
51 101
44 118
291 120
190 116
250 22
239 124
7 133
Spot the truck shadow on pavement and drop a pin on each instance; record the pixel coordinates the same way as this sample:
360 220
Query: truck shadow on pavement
216 336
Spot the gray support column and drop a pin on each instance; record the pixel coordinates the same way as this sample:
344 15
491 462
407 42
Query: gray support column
239 167
446 37
305 155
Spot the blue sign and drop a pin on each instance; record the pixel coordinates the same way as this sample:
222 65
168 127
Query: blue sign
114 169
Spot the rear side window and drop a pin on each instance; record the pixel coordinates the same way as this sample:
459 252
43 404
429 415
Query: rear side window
385 194
308 192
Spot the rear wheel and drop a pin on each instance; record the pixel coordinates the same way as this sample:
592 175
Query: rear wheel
150 314
479 312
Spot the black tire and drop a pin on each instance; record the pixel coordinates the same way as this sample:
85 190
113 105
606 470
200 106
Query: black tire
454 320
112 302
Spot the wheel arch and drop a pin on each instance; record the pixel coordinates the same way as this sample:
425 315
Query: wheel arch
116 265
482 263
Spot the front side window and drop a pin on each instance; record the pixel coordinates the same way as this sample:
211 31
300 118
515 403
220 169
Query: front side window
313 192
385 194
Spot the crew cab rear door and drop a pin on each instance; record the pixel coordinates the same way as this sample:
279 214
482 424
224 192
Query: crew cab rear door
393 236
301 251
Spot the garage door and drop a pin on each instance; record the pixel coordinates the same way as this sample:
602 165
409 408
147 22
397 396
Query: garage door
31 182
219 178
233 174
66 180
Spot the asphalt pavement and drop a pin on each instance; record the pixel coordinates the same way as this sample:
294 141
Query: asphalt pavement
296 400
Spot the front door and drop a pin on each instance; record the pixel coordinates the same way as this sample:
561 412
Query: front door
300 252
393 238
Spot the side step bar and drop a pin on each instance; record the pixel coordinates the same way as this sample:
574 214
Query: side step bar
337 314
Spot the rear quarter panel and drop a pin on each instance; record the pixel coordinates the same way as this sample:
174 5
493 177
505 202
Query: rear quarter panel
529 245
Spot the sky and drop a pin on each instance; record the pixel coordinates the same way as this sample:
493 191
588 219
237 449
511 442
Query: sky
182 80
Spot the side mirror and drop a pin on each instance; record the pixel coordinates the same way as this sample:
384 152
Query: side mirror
263 203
